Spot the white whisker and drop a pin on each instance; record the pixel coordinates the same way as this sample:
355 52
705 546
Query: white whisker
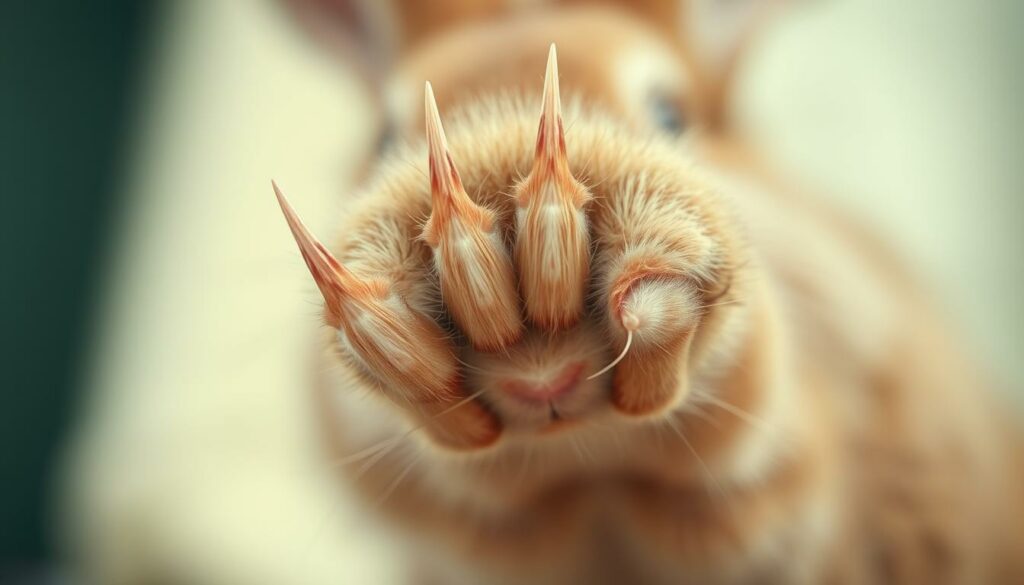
387 445
369 463
368 451
697 411
615 362
462 402
739 413
398 479
707 471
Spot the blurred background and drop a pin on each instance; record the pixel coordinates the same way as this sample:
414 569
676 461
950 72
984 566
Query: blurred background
158 322
71 75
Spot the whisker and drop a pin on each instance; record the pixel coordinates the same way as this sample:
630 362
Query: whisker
696 410
462 402
527 457
707 471
369 463
587 452
391 487
366 452
723 303
576 447
739 413
387 445
470 366
615 362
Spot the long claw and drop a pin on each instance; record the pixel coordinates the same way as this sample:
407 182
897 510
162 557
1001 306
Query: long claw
477 281
551 134
446 187
553 243
400 347
336 283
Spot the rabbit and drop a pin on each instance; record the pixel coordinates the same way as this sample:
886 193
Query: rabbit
577 330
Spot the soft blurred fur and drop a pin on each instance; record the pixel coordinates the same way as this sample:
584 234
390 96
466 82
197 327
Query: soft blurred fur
803 416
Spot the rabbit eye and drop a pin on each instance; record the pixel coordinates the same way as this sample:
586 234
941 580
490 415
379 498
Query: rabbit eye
667 114
386 138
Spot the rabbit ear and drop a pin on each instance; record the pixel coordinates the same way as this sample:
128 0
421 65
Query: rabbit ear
718 30
718 34
373 34
362 32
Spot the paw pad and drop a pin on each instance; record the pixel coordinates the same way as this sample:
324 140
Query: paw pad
513 273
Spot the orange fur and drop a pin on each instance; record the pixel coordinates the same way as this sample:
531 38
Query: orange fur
779 416
474 269
552 241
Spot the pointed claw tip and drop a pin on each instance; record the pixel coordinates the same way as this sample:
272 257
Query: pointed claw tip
286 207
550 139
551 94
445 183
429 102
433 117
436 141
553 59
